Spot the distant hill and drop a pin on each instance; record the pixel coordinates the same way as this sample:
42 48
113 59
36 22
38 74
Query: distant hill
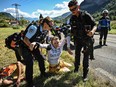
31 19
5 15
95 7
110 6
62 17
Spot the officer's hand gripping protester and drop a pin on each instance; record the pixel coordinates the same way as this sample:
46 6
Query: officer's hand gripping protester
31 35
79 21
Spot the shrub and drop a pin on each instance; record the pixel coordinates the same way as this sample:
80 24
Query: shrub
4 25
113 26
16 27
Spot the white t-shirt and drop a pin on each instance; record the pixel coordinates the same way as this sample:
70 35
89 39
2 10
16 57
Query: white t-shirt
55 53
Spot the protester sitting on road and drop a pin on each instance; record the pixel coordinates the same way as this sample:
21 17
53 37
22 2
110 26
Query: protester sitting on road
54 52
12 74
55 62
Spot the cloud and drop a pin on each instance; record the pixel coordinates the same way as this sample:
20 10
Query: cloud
64 5
58 10
12 12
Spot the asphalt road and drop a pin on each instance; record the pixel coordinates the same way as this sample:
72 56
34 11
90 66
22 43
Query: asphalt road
105 56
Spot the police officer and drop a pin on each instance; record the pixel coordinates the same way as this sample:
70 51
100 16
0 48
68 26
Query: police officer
79 21
104 26
31 35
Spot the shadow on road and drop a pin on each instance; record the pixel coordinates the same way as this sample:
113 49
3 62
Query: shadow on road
97 47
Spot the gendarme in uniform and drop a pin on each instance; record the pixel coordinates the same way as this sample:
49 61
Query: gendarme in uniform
82 28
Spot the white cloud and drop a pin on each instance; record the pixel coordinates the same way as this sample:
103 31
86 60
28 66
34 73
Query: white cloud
64 5
12 12
58 10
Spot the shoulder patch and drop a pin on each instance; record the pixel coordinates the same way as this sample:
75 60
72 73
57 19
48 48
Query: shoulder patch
31 31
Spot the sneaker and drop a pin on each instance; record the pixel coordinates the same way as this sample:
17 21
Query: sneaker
85 79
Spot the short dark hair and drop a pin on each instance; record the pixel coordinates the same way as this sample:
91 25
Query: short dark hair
72 3
47 20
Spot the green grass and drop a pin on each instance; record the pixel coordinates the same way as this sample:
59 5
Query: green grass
69 79
113 27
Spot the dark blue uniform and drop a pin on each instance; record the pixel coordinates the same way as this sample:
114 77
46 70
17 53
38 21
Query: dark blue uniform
78 26
104 26
32 33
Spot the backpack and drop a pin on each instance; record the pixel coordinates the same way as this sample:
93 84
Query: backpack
8 70
8 40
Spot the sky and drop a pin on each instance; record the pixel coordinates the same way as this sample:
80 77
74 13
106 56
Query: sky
33 8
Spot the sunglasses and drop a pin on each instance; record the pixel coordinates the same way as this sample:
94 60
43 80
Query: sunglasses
73 9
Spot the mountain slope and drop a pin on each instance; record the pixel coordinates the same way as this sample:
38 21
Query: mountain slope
95 7
62 16
4 15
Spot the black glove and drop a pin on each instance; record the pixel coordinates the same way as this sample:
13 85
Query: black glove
48 47
36 45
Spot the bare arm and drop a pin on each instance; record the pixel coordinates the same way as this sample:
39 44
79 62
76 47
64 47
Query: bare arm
28 43
19 73
68 45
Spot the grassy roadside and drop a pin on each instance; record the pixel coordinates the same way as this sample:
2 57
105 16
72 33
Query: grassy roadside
69 79
113 27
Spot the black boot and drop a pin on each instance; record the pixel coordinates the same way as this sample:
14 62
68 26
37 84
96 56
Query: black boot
75 70
100 42
85 72
104 43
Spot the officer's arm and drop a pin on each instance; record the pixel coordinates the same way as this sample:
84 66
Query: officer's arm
30 33
109 25
29 44
26 41
92 23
